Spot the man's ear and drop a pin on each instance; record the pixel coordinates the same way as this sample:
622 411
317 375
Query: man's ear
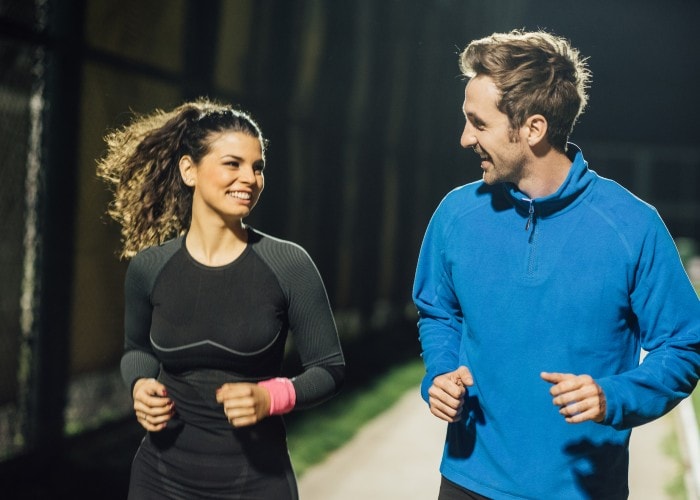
188 172
536 129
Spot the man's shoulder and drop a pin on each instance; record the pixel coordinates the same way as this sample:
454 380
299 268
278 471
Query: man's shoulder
620 201
470 196
629 216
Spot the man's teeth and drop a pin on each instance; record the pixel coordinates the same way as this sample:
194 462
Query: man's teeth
240 195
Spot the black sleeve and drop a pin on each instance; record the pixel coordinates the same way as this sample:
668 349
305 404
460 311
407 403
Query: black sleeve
310 320
139 360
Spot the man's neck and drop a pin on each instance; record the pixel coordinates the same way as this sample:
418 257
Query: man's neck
545 174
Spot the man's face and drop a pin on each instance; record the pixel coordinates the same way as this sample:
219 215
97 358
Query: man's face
488 132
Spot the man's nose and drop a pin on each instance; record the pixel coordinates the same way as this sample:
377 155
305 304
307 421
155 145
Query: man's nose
468 138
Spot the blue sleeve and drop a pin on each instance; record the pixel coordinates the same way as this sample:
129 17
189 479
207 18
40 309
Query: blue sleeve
439 312
667 312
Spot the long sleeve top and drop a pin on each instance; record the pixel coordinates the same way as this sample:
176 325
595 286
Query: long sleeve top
576 282
183 316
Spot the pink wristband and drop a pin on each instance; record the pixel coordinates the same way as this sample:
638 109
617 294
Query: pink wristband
283 397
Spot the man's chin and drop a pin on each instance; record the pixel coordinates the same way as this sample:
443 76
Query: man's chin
489 179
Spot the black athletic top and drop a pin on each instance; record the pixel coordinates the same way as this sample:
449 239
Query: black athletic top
235 317
196 327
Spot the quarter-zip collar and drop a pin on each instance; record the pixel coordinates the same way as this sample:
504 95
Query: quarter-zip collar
572 190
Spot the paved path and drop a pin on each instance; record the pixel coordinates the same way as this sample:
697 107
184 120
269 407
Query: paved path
396 457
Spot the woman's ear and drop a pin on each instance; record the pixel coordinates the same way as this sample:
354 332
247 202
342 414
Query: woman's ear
188 172
536 129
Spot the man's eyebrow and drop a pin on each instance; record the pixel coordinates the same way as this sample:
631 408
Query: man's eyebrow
474 117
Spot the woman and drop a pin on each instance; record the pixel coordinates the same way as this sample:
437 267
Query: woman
208 304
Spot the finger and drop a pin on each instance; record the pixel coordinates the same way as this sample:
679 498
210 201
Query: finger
155 404
150 387
582 385
151 398
449 386
151 423
449 416
233 390
574 408
449 411
587 392
156 419
239 402
445 398
585 416
243 421
465 376
161 408
232 413
555 378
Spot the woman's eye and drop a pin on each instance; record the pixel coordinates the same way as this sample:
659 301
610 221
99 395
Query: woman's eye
233 164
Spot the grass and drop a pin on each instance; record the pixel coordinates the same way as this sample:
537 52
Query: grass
675 488
314 436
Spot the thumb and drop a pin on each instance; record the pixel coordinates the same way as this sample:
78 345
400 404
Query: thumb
465 376
157 389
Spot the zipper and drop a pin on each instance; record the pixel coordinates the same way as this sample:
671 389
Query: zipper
530 213
531 258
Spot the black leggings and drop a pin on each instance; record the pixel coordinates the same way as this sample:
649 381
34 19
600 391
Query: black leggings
178 475
452 491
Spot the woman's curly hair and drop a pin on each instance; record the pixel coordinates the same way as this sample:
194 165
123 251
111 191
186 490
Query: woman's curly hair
151 202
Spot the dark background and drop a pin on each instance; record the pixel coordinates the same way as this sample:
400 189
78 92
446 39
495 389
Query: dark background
361 101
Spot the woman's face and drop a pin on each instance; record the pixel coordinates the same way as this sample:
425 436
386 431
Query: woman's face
229 179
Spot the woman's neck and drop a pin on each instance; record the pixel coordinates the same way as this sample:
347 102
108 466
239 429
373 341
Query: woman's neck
216 245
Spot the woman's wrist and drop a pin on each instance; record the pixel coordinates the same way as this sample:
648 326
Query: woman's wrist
282 395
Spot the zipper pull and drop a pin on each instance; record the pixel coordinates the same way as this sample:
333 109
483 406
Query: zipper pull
530 216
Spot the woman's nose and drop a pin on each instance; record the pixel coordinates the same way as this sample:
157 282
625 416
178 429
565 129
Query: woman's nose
247 174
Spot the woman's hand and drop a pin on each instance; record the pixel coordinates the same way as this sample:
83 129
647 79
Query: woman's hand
244 403
152 406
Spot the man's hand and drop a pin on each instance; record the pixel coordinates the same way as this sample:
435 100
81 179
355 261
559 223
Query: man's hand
446 395
244 403
152 406
578 397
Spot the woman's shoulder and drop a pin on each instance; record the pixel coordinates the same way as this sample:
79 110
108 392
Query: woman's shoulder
277 251
260 239
157 255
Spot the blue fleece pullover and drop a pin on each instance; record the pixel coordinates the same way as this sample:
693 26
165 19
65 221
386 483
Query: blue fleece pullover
575 282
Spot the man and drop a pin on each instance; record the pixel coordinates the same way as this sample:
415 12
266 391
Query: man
536 288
